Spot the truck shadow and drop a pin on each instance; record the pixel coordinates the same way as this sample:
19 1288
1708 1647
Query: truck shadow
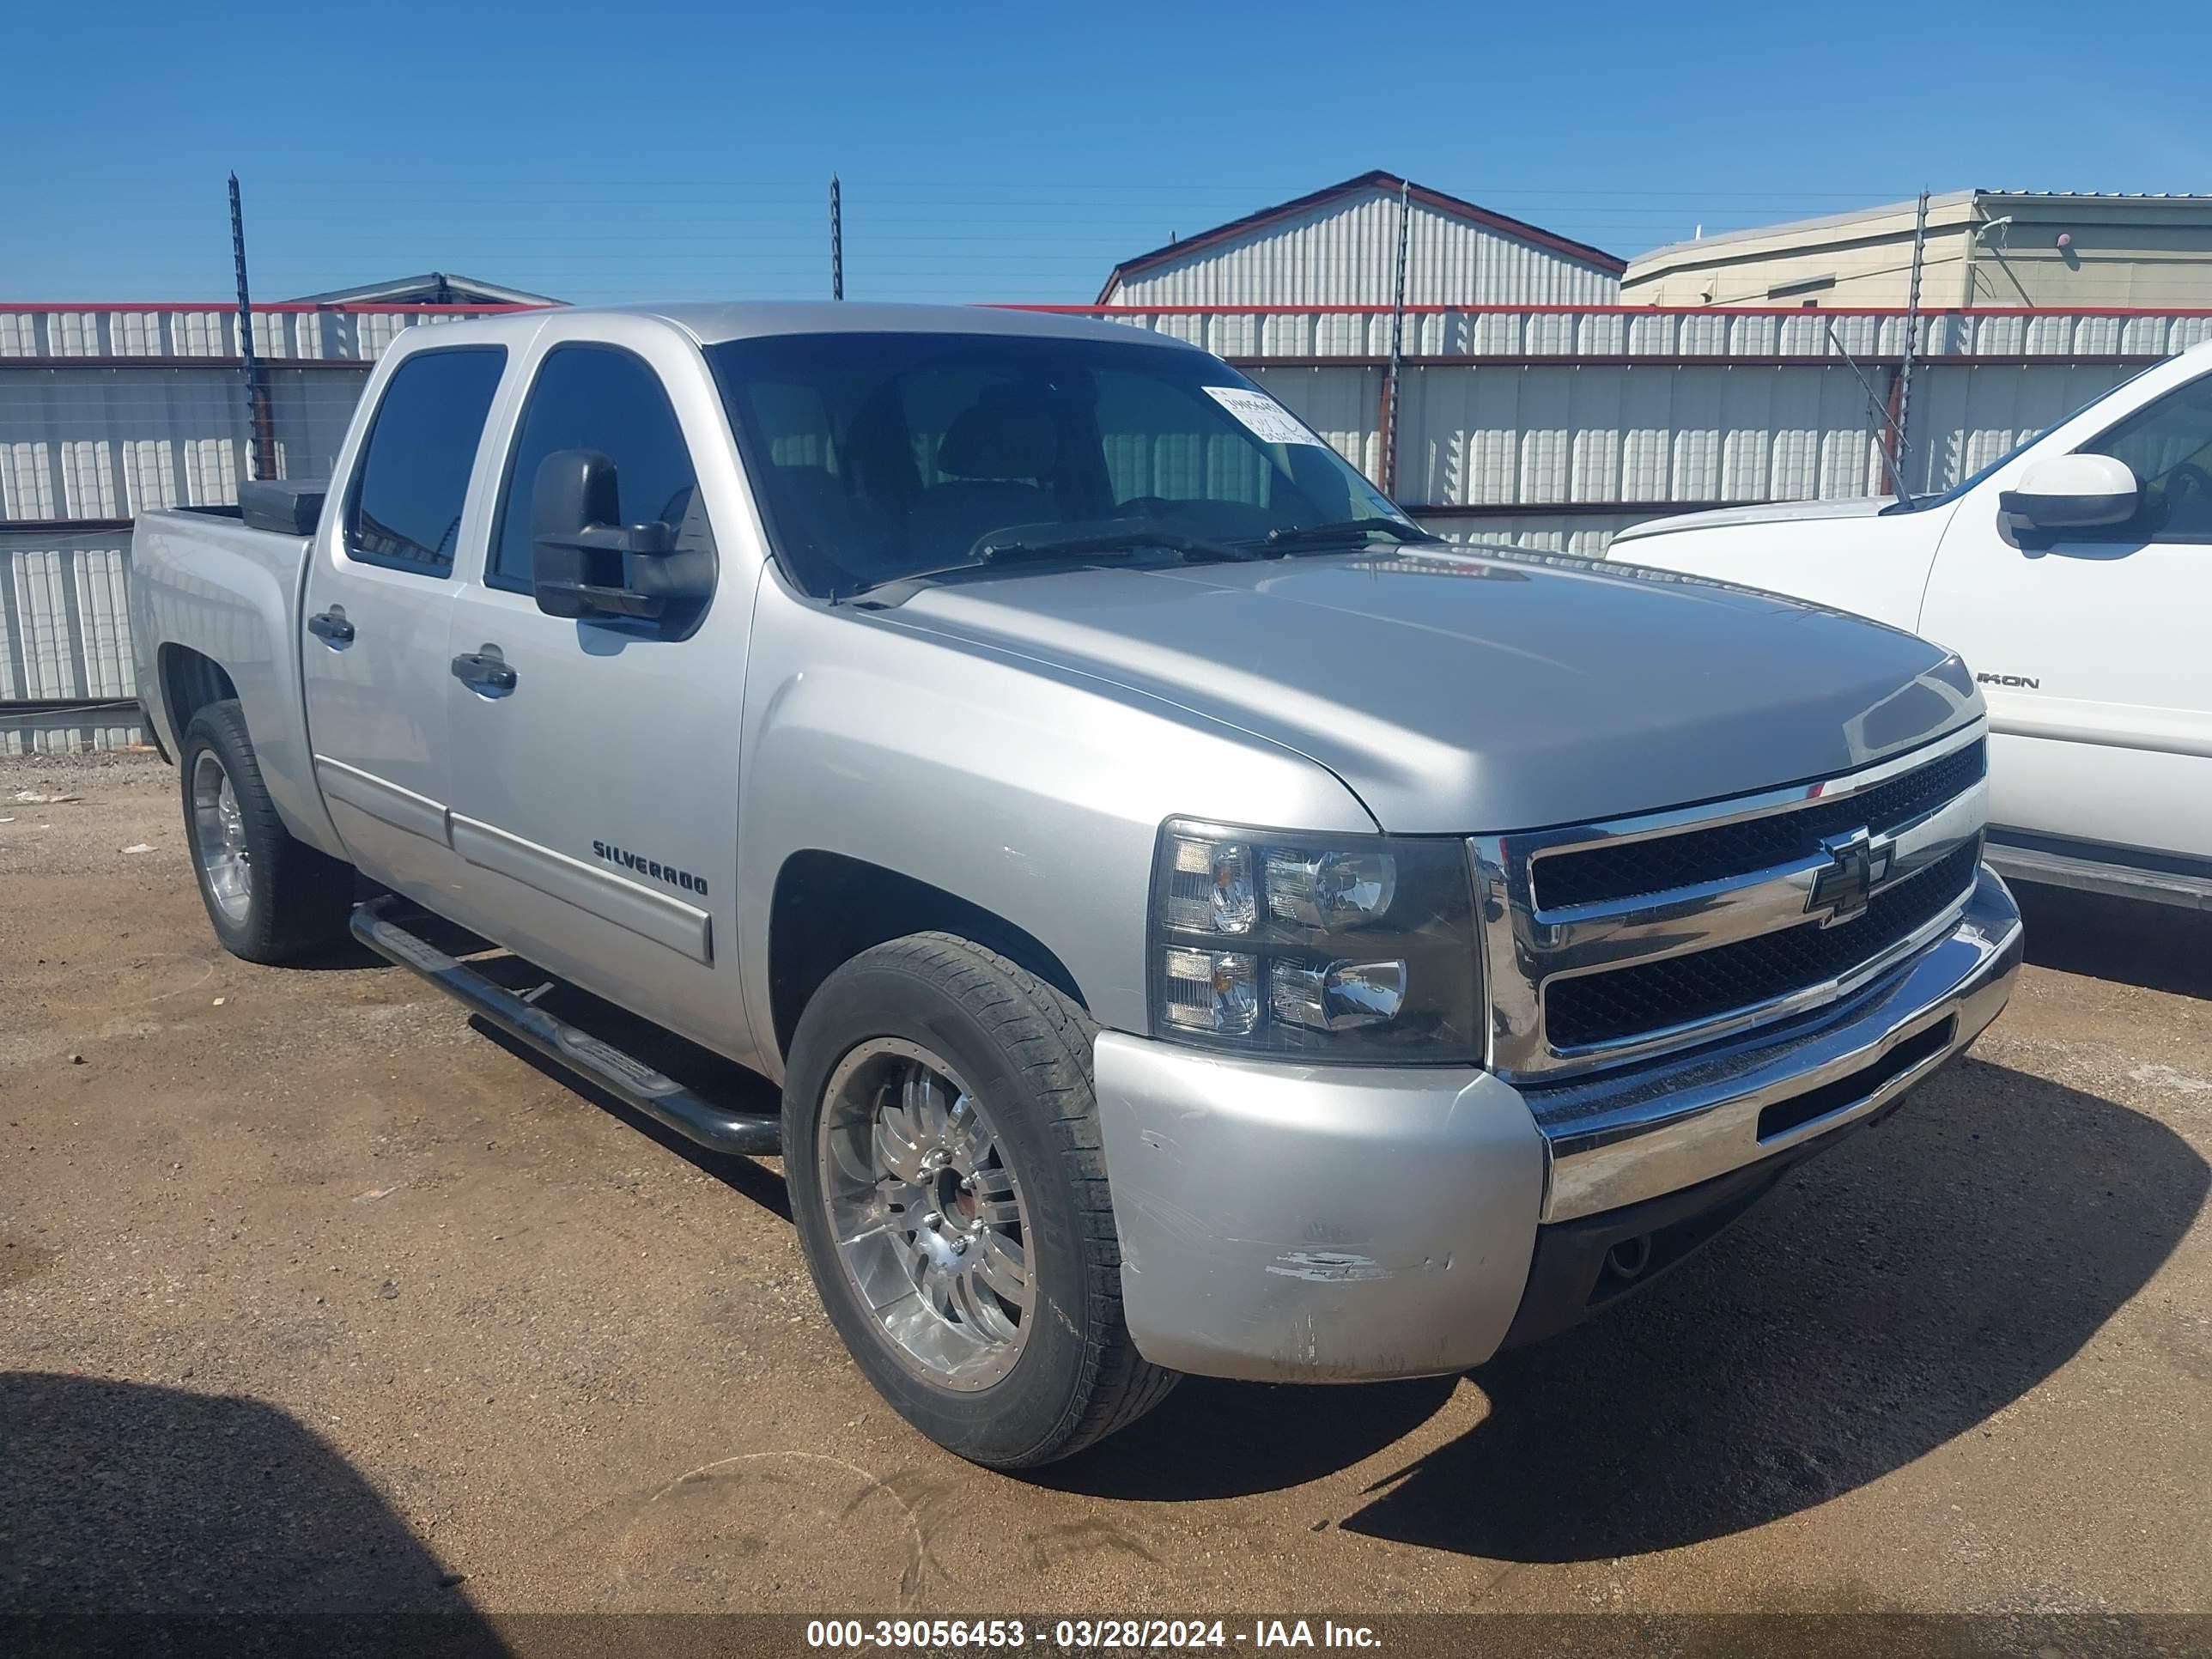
696 1069
2158 947
742 1089
133 1518
1889 1297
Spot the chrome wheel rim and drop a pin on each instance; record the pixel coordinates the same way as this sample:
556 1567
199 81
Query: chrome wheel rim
929 1220
219 838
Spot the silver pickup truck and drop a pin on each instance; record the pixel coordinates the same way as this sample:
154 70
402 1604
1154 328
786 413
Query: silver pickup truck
1198 922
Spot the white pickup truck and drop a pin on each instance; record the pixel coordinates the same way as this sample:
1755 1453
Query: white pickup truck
2073 575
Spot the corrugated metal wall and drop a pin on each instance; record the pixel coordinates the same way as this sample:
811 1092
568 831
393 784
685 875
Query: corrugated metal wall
1547 427
108 443
69 733
1672 437
1344 251
316 333
106 411
65 624
1253 328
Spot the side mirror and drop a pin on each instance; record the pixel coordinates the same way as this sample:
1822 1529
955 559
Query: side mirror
578 553
2073 492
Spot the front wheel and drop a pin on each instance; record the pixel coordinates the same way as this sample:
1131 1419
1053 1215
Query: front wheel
941 1144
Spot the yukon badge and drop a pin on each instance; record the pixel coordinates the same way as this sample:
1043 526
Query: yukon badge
1857 864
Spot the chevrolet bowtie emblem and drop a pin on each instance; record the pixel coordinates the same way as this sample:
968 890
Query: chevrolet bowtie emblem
1857 864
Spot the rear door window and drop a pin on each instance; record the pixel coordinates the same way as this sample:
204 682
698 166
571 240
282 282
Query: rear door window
405 508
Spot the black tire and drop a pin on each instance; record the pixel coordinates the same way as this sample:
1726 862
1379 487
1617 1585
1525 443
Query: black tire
296 899
1024 1051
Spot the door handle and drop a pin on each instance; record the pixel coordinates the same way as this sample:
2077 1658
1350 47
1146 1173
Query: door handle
331 628
484 672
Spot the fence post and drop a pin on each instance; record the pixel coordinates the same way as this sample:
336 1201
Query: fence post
1388 414
1900 423
262 461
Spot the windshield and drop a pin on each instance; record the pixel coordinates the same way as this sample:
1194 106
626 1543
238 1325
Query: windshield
878 457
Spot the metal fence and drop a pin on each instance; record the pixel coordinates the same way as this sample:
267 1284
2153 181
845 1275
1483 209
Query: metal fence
1546 426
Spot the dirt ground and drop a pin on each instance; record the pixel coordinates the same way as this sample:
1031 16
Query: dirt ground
313 1294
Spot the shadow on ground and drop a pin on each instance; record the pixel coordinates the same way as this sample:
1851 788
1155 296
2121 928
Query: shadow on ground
2161 947
140 1507
1889 1297
696 1067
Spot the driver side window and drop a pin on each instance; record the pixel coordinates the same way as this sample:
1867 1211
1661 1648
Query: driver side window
605 398
2167 445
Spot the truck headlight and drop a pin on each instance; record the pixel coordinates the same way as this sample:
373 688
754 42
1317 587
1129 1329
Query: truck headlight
1328 946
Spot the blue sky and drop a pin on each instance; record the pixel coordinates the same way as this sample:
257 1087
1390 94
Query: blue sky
598 152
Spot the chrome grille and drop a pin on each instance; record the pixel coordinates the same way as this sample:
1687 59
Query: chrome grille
1598 1008
1612 941
1591 875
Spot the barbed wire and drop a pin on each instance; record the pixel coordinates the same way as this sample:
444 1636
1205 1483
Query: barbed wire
918 238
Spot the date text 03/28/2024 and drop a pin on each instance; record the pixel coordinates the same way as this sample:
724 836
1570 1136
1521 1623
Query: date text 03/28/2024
1082 1634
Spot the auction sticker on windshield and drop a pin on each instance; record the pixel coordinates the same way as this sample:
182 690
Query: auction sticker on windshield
1267 420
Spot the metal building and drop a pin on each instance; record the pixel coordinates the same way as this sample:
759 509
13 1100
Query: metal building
1983 249
1339 246
1548 425
107 409
433 288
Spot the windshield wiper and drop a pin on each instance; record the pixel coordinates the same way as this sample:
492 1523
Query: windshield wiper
1044 549
1028 548
1311 535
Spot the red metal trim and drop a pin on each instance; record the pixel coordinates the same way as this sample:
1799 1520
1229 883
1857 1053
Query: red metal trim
230 306
362 364
1547 309
1324 359
1693 360
1591 310
1518 228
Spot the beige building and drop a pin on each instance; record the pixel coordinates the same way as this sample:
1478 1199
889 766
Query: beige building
1985 247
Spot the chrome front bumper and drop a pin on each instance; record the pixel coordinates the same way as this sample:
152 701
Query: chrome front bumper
1290 1223
1621 1138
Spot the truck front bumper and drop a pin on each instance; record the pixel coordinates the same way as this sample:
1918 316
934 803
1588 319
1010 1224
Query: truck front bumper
1298 1223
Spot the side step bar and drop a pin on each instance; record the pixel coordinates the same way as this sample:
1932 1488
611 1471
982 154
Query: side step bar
2034 865
629 1079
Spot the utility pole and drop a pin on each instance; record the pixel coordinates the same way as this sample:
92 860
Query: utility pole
1389 409
263 459
836 241
1900 425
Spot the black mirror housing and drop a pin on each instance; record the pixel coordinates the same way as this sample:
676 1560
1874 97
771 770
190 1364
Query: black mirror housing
581 553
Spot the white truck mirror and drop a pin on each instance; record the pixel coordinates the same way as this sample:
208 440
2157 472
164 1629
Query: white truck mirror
2073 492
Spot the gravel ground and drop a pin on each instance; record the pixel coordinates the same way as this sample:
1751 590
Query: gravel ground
311 1294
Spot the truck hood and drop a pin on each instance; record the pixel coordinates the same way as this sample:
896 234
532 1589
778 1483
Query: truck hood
1860 507
1457 692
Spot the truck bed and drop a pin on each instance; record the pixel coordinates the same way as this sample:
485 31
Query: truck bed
210 590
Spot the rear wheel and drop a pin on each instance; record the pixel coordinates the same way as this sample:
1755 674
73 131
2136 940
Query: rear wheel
941 1144
269 896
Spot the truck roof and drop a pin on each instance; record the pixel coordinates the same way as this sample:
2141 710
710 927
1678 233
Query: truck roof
711 322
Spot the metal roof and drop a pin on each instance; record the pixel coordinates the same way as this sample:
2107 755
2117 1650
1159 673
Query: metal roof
1452 205
436 288
1800 229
